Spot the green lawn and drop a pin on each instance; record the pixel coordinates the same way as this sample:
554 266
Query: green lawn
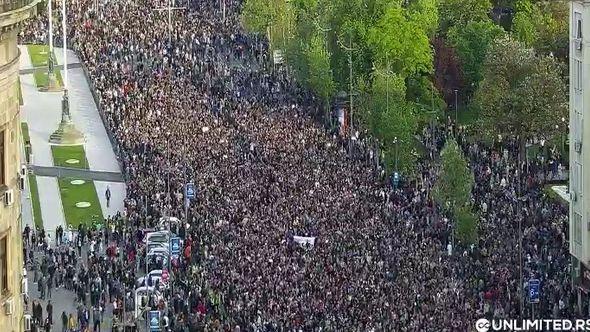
63 153
40 76
39 54
35 201
34 190
26 140
72 194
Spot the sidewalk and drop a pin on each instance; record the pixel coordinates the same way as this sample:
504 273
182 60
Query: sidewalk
50 199
25 59
42 112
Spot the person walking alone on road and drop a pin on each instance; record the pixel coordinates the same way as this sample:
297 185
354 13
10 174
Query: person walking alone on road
49 309
71 322
107 195
41 287
64 321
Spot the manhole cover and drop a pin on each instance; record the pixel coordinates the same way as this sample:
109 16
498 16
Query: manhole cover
72 161
77 182
83 204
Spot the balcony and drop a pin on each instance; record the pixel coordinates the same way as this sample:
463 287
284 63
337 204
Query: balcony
14 11
10 5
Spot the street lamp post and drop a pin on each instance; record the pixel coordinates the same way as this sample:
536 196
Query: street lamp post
387 73
456 106
395 142
349 49
65 61
170 8
325 31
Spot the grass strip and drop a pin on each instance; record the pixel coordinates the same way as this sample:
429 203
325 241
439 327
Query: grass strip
61 154
26 140
41 78
75 193
38 54
34 189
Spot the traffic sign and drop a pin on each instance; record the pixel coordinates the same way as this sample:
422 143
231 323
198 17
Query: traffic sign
175 245
534 290
154 320
190 190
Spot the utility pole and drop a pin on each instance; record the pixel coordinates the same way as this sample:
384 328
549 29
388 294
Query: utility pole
519 211
396 154
170 8
349 49
63 13
456 107
49 8
51 80
349 94
325 31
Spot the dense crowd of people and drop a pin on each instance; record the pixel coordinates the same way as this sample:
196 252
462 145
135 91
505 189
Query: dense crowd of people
205 108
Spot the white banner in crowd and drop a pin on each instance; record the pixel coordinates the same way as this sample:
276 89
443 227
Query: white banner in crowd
302 240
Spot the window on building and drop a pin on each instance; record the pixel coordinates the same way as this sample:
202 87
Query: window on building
577 228
577 75
576 179
578 26
4 265
579 177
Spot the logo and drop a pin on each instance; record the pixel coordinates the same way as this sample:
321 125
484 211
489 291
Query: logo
482 325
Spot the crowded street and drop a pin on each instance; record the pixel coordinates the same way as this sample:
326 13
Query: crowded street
290 228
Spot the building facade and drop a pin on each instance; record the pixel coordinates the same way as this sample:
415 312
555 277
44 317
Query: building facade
12 14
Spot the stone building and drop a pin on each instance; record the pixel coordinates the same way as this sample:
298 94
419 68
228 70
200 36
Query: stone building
12 14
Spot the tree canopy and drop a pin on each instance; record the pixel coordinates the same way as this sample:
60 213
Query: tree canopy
471 43
521 94
402 41
457 13
455 179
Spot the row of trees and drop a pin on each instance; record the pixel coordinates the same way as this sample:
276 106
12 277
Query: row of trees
522 97
378 50
403 60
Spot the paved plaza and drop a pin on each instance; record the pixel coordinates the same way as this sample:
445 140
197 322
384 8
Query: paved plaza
42 112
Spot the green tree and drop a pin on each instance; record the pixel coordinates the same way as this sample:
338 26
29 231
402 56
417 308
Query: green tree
402 41
466 226
257 15
553 31
270 17
350 22
471 43
319 75
522 96
455 180
425 14
393 120
460 12
524 23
